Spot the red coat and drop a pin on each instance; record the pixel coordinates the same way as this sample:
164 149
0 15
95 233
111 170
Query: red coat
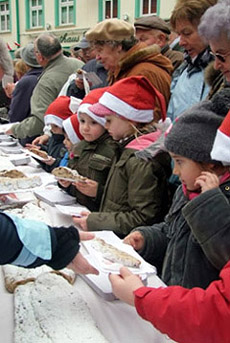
189 315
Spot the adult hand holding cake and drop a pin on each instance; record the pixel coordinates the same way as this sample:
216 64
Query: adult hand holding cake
29 243
79 264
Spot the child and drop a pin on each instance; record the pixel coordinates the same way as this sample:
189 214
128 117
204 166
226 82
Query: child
93 156
185 315
136 191
195 315
59 110
189 243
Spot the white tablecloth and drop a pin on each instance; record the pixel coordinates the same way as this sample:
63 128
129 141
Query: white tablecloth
118 321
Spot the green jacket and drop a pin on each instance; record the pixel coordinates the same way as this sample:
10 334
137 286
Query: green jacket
93 160
136 192
50 82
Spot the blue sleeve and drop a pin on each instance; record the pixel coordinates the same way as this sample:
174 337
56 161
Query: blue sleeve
29 243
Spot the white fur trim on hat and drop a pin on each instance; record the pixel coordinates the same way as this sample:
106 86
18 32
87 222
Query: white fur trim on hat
84 108
74 104
68 127
221 148
53 119
122 108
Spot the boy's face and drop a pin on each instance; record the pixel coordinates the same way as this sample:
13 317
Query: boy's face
89 128
56 129
117 127
187 170
67 143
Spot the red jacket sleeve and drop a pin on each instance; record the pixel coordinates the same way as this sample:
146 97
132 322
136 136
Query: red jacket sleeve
189 315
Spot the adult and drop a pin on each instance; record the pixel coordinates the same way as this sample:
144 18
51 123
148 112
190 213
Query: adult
20 102
154 30
76 86
215 28
188 84
56 70
30 243
122 55
87 52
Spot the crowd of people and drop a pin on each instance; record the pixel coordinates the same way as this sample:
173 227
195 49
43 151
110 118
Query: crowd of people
152 140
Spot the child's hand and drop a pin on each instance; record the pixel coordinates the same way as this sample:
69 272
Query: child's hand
50 161
125 284
89 187
135 239
32 146
64 183
82 222
207 181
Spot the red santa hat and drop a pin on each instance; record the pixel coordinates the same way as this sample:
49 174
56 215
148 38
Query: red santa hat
133 98
90 99
71 127
60 109
221 146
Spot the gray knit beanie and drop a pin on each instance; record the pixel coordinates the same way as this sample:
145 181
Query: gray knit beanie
193 134
220 102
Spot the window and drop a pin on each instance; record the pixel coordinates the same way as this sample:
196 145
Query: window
5 16
148 7
36 13
110 10
66 12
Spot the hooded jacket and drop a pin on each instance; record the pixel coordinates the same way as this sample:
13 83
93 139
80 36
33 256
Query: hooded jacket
135 192
149 62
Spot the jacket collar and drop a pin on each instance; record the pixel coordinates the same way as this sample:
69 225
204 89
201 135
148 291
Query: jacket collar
200 62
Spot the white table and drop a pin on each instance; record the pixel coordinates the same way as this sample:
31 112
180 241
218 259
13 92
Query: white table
118 321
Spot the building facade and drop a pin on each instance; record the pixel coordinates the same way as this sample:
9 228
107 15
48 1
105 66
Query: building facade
21 21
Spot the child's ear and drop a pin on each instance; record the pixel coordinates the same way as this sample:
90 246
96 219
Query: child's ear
218 169
211 166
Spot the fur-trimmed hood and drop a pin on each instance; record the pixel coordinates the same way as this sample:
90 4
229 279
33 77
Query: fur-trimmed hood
211 74
141 53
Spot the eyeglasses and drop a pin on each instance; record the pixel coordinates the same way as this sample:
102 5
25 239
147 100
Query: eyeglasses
220 57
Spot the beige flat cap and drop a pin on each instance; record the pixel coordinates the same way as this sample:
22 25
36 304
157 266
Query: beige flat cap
111 30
